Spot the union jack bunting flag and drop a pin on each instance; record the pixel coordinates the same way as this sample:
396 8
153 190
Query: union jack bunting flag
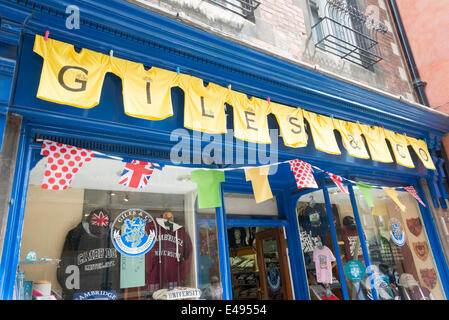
136 173
338 181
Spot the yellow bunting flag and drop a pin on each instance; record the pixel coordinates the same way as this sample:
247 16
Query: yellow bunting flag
379 209
68 77
394 196
250 117
146 93
421 150
322 129
399 144
291 125
259 180
204 107
377 145
351 136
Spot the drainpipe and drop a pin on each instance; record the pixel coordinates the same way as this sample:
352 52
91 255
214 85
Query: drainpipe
418 84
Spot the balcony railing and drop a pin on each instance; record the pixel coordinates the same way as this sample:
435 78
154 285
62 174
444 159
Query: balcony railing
244 8
348 33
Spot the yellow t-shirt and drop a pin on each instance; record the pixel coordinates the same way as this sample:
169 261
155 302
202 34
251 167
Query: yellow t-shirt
250 117
322 129
259 180
422 151
68 77
399 145
375 138
146 93
291 125
351 137
204 107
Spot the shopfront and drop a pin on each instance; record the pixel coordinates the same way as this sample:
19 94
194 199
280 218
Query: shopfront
81 226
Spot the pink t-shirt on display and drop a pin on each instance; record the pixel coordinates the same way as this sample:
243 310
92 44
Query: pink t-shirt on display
323 259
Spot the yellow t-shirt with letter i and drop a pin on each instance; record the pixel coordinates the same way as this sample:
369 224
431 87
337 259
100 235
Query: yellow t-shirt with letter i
146 93
68 77
204 107
250 117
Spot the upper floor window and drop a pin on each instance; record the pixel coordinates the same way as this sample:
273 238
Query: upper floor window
340 28
244 8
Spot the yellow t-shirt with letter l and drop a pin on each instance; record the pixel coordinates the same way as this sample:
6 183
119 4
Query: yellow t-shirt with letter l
420 147
291 125
68 77
250 117
204 107
399 145
322 129
146 93
351 136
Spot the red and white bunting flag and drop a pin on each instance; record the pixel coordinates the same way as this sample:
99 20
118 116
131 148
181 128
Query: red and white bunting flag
413 192
63 162
303 172
338 181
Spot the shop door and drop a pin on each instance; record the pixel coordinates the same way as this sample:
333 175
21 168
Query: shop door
273 265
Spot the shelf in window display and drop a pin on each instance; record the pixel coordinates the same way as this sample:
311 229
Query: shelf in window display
52 261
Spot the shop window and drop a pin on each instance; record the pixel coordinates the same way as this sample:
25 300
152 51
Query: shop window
244 8
245 204
316 241
402 262
68 250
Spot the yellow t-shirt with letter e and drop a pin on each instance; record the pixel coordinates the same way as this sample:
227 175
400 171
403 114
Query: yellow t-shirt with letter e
375 138
204 107
291 125
399 145
250 117
351 136
322 129
146 93
68 77
420 147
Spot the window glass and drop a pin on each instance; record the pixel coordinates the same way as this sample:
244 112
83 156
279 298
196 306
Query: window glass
165 249
245 204
401 257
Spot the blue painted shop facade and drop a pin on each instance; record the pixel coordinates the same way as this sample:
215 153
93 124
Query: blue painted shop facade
155 40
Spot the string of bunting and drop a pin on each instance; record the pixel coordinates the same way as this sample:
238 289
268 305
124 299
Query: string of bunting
64 161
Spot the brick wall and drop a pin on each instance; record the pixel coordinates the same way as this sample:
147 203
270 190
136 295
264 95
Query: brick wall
283 28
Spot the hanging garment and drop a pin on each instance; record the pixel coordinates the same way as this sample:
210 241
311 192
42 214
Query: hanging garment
250 117
351 136
204 107
322 129
89 260
323 259
167 264
146 93
291 125
208 182
375 138
421 150
68 77
399 145
259 181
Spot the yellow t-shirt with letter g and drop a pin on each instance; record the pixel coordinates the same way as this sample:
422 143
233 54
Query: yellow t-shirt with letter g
204 107
146 93
250 117
68 77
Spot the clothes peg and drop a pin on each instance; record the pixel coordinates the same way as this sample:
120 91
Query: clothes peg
332 116
229 87
177 71
268 99
111 54
47 33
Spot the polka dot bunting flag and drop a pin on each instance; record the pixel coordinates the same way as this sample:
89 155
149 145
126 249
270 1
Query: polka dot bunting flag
63 162
303 173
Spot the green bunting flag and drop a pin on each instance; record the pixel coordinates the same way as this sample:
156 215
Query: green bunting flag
208 182
365 190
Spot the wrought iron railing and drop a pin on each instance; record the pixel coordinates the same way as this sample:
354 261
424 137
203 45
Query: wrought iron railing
345 31
244 8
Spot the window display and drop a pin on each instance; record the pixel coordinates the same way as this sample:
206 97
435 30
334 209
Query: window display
110 241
